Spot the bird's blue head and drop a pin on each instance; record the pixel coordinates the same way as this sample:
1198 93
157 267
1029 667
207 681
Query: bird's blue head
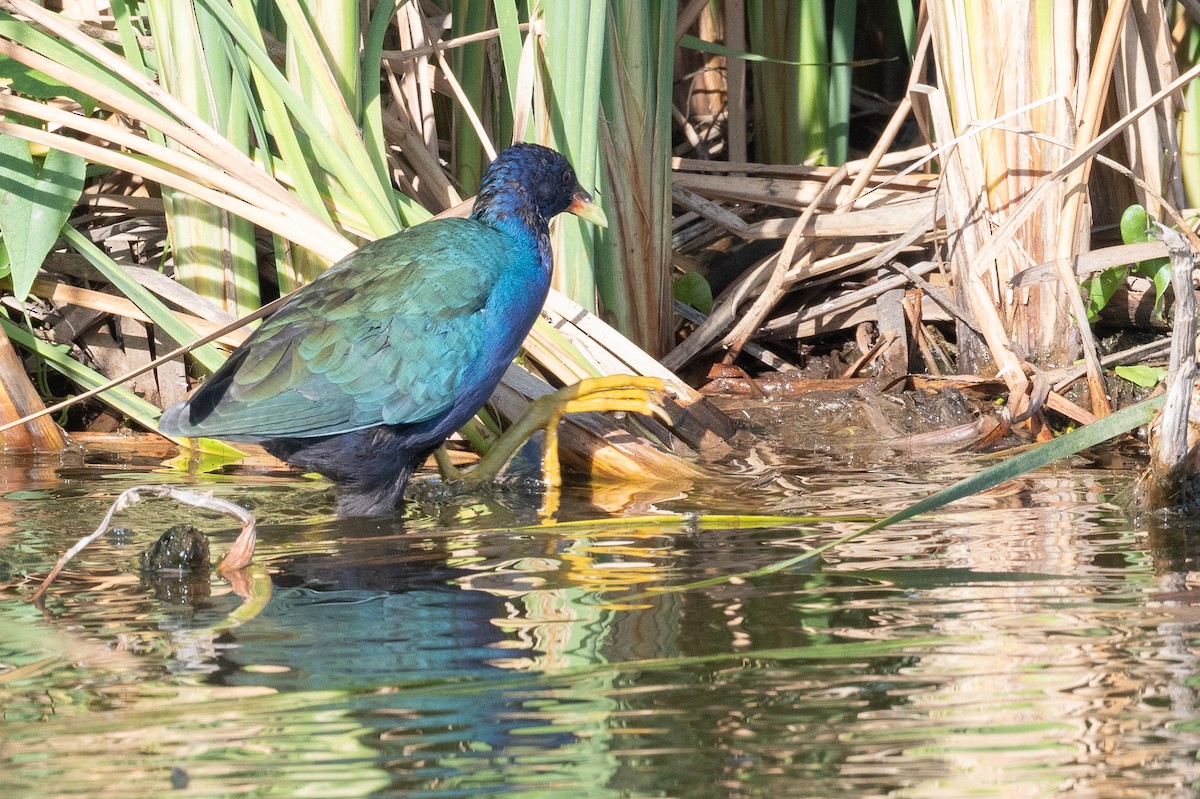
530 185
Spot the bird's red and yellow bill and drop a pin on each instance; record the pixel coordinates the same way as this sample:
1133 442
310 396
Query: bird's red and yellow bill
584 207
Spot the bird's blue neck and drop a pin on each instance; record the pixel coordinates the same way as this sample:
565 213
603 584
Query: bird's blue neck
517 221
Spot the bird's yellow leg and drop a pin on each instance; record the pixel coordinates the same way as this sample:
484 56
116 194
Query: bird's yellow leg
551 471
623 393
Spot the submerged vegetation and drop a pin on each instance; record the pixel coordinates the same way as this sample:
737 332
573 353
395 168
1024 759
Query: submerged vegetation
927 194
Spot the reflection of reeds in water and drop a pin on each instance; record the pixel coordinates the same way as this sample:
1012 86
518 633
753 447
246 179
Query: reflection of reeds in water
1011 645
1033 679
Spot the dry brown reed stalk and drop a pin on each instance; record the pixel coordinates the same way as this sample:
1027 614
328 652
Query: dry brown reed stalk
727 196
894 205
34 431
991 246
1041 191
788 270
1076 187
777 282
910 220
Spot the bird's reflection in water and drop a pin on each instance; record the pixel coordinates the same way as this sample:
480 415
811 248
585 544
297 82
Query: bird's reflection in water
389 625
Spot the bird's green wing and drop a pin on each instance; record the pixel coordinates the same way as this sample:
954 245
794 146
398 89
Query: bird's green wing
381 338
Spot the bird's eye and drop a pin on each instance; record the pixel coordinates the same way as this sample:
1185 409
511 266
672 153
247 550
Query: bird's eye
568 178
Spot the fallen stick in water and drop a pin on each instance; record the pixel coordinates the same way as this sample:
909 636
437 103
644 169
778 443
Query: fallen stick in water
239 554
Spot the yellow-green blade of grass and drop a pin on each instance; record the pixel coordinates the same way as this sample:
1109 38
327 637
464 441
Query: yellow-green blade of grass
214 251
908 26
325 38
841 53
791 101
272 114
321 61
370 97
124 88
350 166
470 65
573 47
26 34
508 22
633 254
1189 122
271 122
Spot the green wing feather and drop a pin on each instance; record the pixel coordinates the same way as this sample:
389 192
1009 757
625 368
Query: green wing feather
383 337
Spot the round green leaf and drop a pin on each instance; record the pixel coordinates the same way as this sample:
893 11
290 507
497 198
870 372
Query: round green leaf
692 289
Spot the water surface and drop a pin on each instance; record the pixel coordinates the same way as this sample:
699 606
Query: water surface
1030 642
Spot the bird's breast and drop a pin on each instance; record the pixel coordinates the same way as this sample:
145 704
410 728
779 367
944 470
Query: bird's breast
512 309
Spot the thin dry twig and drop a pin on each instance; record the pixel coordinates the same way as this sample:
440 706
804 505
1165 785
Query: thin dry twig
476 124
879 346
447 44
778 284
1154 350
845 301
239 554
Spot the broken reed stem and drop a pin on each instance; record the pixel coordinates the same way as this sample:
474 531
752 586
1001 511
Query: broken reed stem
1169 450
882 343
239 554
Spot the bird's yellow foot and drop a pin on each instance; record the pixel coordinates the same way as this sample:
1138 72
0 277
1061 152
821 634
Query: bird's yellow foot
617 393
